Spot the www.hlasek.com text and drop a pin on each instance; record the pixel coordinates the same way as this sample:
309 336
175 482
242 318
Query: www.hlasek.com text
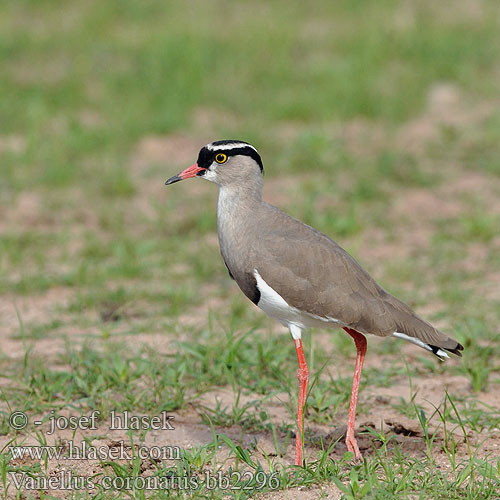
68 450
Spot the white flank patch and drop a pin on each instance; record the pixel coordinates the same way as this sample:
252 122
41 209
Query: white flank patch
274 305
225 147
271 302
440 353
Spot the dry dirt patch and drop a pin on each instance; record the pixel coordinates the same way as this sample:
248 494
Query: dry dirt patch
174 149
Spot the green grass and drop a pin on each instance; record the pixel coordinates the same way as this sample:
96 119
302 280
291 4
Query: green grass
378 124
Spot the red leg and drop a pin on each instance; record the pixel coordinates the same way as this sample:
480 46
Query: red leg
303 376
350 440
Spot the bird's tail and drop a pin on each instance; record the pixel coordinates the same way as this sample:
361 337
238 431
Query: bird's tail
410 327
440 352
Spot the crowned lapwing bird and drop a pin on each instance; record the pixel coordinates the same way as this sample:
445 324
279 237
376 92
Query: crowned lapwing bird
299 276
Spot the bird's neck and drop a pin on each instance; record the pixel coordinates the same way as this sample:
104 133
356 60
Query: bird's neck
236 209
237 198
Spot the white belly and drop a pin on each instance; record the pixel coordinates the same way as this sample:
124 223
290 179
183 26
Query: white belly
275 306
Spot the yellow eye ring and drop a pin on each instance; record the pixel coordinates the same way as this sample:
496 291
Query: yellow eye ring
220 158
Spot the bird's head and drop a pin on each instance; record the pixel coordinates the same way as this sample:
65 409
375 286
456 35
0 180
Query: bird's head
225 163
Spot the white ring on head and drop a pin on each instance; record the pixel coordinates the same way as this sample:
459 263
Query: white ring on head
233 145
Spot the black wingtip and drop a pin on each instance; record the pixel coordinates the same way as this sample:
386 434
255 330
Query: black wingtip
455 350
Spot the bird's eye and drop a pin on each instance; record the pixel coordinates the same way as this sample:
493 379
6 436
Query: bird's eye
221 158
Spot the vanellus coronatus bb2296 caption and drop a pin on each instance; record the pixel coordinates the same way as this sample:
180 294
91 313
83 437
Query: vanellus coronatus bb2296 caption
298 275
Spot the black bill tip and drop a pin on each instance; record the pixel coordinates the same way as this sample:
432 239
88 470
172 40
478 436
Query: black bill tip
173 179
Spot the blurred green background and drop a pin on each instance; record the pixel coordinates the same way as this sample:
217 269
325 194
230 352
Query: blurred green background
351 101
354 105
82 82
378 123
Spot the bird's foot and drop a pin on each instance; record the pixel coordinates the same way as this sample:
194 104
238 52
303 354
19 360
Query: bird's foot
352 446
